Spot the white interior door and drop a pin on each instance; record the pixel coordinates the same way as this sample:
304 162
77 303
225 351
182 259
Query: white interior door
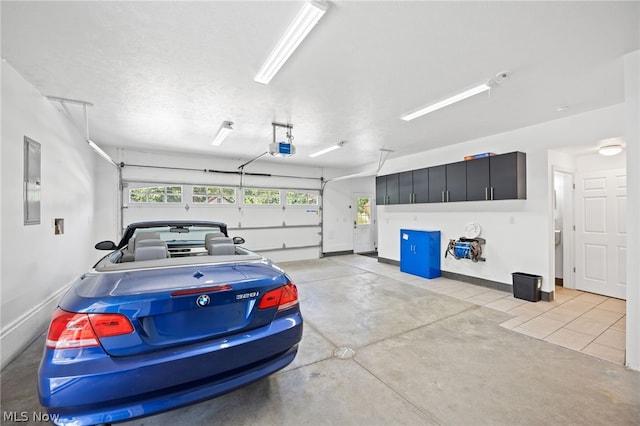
363 228
601 229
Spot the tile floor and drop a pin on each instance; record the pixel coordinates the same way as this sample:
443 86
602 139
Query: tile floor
577 320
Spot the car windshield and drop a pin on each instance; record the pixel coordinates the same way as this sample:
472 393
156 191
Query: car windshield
176 234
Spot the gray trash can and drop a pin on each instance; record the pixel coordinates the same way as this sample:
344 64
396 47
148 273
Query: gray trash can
526 286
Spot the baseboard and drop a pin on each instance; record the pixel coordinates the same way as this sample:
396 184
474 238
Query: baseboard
546 296
16 336
336 253
388 261
496 285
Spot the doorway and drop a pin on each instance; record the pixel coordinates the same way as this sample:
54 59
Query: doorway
563 228
363 223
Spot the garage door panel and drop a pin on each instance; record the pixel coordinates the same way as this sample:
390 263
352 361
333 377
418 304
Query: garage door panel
277 238
275 229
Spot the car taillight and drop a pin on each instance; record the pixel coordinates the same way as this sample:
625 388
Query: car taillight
72 330
283 297
108 325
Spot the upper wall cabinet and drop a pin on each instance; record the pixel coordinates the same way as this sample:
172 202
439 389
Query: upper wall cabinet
499 177
413 186
509 176
437 184
456 181
387 189
448 183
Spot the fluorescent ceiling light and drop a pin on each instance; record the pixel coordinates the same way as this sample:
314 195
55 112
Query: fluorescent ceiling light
100 152
223 133
326 150
306 19
610 150
446 102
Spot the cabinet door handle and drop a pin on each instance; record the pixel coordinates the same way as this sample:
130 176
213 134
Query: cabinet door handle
486 193
447 195
492 192
443 196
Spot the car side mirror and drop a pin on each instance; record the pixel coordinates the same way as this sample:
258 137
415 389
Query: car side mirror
106 245
238 240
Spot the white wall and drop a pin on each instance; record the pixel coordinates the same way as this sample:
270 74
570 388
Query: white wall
339 211
632 134
36 264
518 232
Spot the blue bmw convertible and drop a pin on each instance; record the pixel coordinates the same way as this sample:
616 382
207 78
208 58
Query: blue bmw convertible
176 313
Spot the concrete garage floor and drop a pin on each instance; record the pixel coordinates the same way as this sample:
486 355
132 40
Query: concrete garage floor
420 358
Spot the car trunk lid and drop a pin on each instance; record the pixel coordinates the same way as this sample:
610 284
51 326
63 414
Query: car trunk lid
179 305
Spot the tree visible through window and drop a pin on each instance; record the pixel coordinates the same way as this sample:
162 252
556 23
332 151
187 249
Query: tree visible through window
364 211
213 195
261 196
156 194
303 198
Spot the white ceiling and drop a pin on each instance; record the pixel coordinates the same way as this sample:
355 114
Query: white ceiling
165 75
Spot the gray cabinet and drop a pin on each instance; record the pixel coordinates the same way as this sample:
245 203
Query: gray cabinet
508 176
437 184
413 186
478 179
448 183
499 177
456 182
421 185
387 189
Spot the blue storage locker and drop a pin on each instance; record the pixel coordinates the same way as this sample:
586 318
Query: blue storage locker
420 252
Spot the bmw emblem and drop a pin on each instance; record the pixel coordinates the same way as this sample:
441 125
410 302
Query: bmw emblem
203 300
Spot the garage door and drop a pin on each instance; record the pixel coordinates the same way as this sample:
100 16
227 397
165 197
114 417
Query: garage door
281 222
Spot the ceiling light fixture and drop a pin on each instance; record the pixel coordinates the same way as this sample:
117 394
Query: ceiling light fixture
306 19
448 101
458 97
327 150
223 133
100 152
610 150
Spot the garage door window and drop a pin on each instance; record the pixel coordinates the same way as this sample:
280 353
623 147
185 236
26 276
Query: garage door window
261 196
156 194
302 198
213 195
